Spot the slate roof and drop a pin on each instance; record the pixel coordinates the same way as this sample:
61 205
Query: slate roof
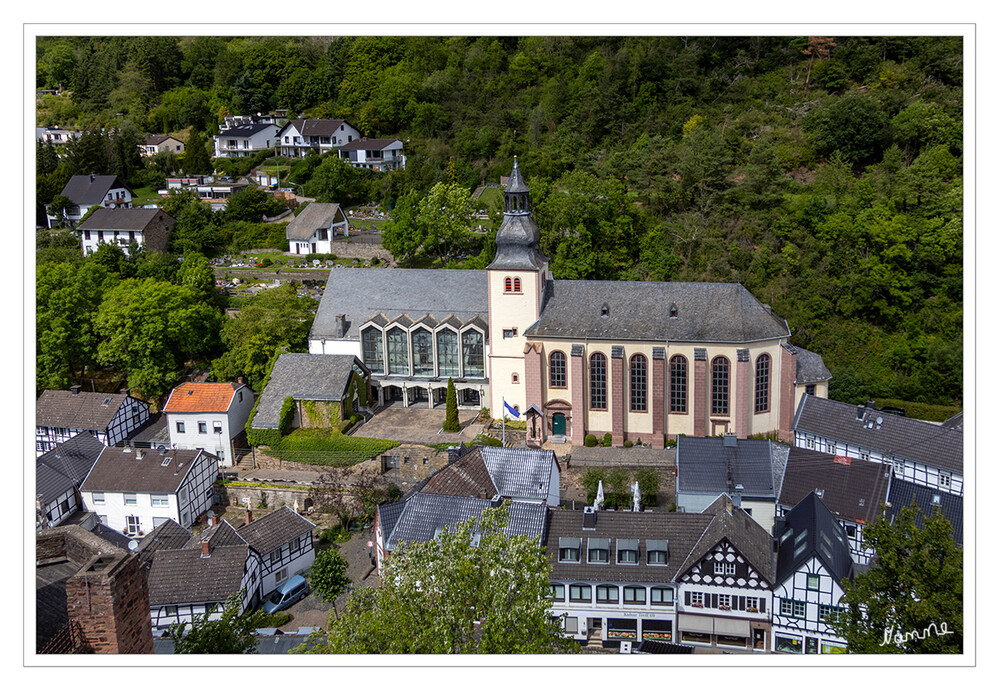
65 466
275 529
136 219
681 530
220 534
934 445
823 537
424 514
244 130
853 491
180 576
903 494
57 408
120 469
523 473
84 191
312 218
314 128
707 312
467 476
156 139
363 144
810 367
167 535
517 244
363 293
741 531
202 397
303 377
109 535
703 466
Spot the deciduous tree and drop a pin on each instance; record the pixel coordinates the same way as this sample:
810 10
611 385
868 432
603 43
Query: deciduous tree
230 634
472 590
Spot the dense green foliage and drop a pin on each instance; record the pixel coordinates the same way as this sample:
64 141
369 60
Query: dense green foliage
328 574
455 595
823 173
230 634
910 601
451 424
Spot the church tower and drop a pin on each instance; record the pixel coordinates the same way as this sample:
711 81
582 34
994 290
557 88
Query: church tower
518 277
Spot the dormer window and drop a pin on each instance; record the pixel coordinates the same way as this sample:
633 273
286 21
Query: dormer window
658 551
604 310
673 312
568 549
627 551
598 550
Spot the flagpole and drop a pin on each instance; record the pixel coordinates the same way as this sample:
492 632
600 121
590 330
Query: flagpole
504 422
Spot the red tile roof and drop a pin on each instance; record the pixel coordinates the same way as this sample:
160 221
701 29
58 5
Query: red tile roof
201 397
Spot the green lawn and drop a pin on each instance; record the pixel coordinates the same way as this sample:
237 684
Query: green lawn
328 447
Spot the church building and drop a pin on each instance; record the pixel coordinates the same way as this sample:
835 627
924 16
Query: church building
643 361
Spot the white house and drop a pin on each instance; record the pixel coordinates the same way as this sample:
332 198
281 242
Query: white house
157 143
209 416
148 228
924 453
58 475
300 136
86 191
813 558
134 491
380 155
312 230
245 140
283 539
61 415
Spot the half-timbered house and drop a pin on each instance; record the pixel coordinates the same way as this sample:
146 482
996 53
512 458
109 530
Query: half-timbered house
61 415
283 539
58 476
724 583
923 453
813 559
135 490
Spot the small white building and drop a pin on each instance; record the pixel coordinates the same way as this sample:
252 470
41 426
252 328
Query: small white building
135 490
312 230
157 143
147 228
87 191
209 416
245 140
380 155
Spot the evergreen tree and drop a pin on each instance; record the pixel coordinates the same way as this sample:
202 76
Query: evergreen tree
196 159
451 417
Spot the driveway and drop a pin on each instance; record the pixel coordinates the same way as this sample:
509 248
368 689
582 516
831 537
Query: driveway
418 424
311 611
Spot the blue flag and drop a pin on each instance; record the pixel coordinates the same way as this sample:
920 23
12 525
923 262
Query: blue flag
511 410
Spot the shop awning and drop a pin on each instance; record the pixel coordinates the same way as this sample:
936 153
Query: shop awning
731 626
697 624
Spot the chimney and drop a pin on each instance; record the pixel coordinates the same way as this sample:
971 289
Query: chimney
860 412
75 389
341 325
213 520
240 380
870 404
249 517
138 454
737 496
92 177
589 517
206 548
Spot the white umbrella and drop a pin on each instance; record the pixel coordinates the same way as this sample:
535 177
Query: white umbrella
598 503
636 498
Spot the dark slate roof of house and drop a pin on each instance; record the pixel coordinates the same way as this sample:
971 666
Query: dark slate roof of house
955 422
245 130
707 312
87 190
362 294
314 128
65 466
468 476
364 144
905 493
303 377
140 471
931 444
312 218
220 534
523 473
179 576
111 536
681 531
704 464
814 532
56 408
156 139
275 529
388 515
425 513
136 219
168 535
851 489
810 367
741 531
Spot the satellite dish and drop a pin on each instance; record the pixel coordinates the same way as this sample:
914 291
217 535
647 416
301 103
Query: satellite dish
880 420
161 448
133 545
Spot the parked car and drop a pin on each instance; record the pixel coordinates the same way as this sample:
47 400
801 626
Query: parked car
286 595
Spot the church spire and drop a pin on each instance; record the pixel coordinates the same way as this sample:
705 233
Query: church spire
516 196
518 238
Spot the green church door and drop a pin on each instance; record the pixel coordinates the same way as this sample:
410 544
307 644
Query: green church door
558 424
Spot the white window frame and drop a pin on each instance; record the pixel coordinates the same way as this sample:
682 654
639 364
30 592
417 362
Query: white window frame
180 427
810 578
98 498
944 479
281 575
159 499
130 499
724 568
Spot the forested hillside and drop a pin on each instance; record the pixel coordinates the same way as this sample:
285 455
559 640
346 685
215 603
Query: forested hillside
824 173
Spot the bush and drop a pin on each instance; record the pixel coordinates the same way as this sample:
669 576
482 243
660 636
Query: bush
606 442
590 441
628 444
394 492
484 440
286 416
